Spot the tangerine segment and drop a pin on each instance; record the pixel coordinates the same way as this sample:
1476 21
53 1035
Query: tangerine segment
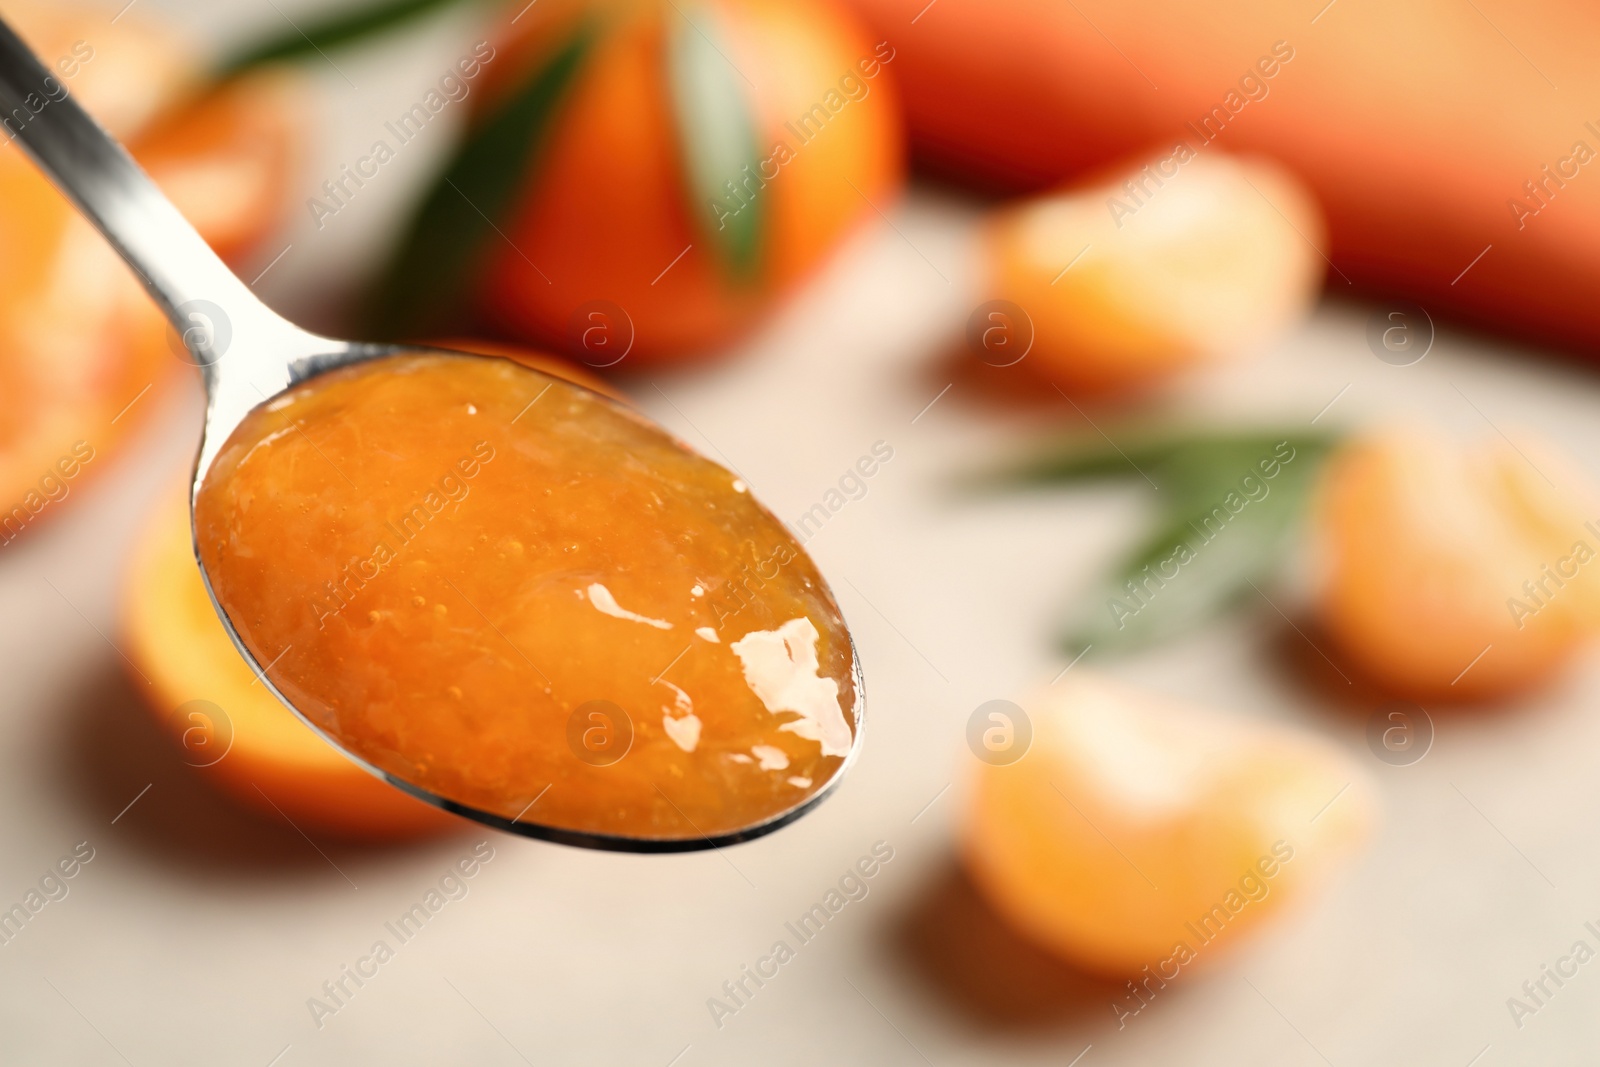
1458 573
80 341
1183 262
511 591
1137 832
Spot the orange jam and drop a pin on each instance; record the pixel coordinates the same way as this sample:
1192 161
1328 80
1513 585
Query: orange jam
524 598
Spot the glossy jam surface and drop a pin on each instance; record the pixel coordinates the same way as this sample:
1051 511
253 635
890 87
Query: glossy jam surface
523 598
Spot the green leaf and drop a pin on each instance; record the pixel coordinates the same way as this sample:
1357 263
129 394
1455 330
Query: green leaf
297 42
436 264
1195 477
718 138
1178 459
1225 526
1225 521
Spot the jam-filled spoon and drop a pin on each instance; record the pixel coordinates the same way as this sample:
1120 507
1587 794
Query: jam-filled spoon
503 592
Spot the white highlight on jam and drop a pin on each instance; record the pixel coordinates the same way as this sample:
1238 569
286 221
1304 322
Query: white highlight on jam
780 667
607 604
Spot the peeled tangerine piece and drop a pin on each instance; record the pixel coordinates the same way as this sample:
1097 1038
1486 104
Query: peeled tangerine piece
1138 833
1458 572
1187 260
526 599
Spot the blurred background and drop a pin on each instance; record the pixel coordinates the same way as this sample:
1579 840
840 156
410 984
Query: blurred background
1193 411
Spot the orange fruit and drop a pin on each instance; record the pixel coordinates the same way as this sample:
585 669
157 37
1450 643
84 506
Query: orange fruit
1456 573
696 161
1186 260
1136 832
72 319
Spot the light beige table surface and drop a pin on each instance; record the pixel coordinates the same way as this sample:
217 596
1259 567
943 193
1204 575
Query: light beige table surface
197 934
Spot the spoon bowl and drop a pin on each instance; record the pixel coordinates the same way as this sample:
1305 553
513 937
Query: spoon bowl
261 372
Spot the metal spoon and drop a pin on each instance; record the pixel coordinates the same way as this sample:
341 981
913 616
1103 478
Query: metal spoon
217 315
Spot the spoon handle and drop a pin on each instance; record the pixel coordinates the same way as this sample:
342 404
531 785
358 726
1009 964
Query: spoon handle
184 276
